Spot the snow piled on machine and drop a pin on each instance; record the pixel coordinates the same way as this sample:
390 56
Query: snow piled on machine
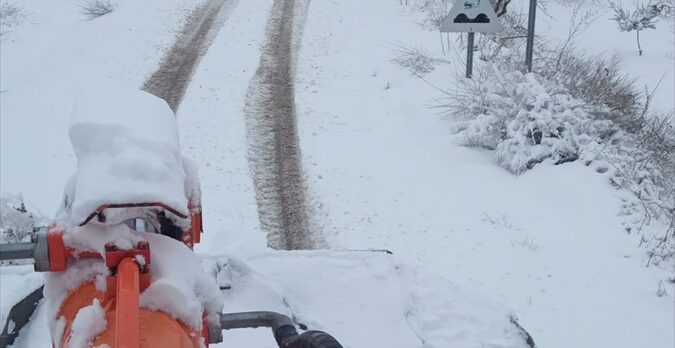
127 150
180 287
126 144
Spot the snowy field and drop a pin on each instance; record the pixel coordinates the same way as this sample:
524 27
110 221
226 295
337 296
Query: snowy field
472 243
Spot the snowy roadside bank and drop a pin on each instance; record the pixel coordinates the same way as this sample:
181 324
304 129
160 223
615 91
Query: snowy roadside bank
383 172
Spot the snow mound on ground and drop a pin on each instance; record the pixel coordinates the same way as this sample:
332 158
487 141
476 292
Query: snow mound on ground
442 313
126 144
16 282
366 300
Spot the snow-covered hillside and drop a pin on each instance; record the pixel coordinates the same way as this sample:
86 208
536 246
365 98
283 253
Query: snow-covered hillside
473 244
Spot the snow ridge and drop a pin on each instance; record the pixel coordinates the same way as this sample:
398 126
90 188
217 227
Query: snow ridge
274 150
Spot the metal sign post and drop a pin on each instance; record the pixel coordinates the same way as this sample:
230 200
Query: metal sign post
469 56
529 50
471 16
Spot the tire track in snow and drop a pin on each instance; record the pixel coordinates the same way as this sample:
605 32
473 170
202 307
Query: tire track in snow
274 151
175 72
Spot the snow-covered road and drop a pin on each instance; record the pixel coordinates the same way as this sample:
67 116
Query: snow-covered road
170 81
274 150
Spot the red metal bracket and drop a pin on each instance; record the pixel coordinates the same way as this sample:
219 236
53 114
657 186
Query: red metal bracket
59 254
113 255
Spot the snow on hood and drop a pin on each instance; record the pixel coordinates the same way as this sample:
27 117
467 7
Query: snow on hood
127 149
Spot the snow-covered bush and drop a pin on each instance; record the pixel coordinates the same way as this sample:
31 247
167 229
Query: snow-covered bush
415 59
10 15
598 81
436 11
524 119
17 219
642 149
97 8
666 8
643 17
644 165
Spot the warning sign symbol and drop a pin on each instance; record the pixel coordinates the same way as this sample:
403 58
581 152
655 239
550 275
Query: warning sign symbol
471 16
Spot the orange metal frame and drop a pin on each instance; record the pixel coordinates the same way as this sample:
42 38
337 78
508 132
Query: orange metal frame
129 277
59 254
127 297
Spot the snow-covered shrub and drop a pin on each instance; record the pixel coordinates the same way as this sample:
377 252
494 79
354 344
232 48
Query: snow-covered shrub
415 59
644 165
17 219
435 11
97 8
664 8
597 80
523 119
526 119
643 17
10 15
641 152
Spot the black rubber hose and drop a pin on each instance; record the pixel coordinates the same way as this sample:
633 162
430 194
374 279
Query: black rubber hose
284 334
312 339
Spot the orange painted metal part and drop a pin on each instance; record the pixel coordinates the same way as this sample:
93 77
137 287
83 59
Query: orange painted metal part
126 317
197 227
77 299
156 329
128 325
193 235
195 221
59 254
113 255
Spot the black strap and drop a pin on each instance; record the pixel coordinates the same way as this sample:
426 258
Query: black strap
20 315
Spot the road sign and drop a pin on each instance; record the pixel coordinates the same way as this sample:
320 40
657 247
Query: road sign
471 16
